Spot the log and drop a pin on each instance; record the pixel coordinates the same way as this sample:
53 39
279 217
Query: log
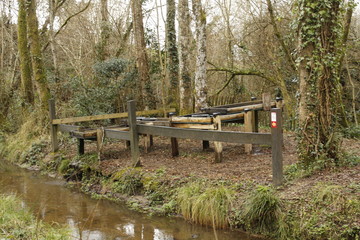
249 127
195 126
207 120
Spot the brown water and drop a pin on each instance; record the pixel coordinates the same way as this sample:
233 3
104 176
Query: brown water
92 219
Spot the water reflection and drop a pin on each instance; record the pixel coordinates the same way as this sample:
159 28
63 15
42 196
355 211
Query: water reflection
91 219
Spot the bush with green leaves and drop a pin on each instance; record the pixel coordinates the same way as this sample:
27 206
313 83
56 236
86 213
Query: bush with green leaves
127 181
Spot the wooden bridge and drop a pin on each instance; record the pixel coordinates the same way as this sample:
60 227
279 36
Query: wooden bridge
205 126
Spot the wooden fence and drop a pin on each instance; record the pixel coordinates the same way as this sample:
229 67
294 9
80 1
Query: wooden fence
273 139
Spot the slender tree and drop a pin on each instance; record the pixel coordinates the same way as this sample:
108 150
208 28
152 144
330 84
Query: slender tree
147 100
172 54
102 51
200 72
35 50
184 49
25 60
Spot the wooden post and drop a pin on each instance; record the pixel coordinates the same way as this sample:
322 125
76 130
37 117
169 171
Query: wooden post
148 141
100 134
218 145
174 141
81 146
276 146
266 98
134 136
53 127
249 127
256 117
206 144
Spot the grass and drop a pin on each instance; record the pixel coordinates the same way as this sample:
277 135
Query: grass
17 222
205 206
262 211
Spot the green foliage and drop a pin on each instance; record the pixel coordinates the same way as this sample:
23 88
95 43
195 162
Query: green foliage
206 206
352 132
35 153
127 181
329 215
18 223
64 166
263 212
99 96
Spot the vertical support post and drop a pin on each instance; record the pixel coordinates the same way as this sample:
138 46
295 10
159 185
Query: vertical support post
205 144
134 136
81 146
256 117
276 146
53 127
249 120
148 140
218 145
174 141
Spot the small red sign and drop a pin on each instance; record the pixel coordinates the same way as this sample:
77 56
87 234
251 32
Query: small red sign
273 124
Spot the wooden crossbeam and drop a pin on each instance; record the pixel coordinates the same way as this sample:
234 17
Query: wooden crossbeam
107 116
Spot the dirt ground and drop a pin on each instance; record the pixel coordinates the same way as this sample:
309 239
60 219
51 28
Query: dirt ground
236 164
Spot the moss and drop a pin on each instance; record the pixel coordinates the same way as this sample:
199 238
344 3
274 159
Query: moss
127 181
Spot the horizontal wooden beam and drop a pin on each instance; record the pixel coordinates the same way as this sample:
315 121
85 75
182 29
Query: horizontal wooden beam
68 128
208 120
238 104
231 116
209 135
108 116
194 126
116 134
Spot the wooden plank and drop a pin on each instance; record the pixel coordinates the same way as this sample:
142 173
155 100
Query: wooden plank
195 126
276 147
116 134
207 120
87 134
210 135
134 136
68 128
107 116
267 101
249 127
218 145
53 127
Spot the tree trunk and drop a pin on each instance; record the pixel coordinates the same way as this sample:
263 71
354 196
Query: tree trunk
172 56
147 99
25 59
200 73
319 36
102 51
35 50
184 57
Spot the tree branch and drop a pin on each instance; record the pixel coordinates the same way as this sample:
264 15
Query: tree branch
279 36
66 22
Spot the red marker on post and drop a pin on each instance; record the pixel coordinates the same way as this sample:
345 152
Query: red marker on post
273 120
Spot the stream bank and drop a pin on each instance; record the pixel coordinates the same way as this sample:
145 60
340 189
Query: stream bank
319 204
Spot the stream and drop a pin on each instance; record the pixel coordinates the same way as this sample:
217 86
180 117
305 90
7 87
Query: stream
91 219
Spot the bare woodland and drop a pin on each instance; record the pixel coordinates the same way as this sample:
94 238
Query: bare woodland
93 56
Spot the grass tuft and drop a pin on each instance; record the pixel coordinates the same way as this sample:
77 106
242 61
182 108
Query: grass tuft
205 206
263 211
18 223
